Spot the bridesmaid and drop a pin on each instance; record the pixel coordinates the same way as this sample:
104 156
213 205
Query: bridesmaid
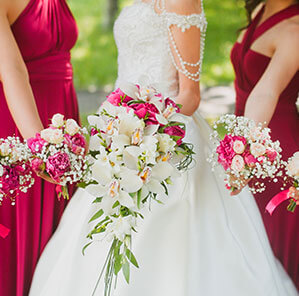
266 62
35 82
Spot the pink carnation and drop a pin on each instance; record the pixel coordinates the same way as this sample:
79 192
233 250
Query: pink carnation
76 142
57 165
118 97
177 132
36 144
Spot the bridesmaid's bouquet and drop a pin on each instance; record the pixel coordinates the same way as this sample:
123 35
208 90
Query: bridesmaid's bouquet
292 172
59 152
137 146
245 151
16 175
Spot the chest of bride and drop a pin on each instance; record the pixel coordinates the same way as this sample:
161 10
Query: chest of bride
140 29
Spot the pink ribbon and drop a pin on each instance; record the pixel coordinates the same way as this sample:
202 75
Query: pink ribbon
277 200
4 231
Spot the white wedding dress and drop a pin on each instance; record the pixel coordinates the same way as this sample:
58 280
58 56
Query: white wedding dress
202 242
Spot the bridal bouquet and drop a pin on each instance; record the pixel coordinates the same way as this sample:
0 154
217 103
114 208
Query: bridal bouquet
137 148
245 151
16 175
59 152
292 172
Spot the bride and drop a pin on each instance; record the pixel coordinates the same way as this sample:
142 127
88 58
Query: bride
202 241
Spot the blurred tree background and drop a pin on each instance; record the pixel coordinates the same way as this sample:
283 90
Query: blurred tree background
95 55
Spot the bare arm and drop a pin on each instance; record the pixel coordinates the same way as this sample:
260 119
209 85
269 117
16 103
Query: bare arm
188 45
263 100
15 80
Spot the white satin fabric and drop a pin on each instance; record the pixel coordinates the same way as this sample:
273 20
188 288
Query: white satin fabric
202 242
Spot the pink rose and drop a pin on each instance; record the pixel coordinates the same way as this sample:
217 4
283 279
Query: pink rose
239 147
146 111
250 160
169 102
226 152
176 132
76 142
271 154
36 144
257 149
238 163
37 165
57 165
118 97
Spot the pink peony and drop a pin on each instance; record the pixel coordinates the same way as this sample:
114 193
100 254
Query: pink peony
271 154
175 131
146 111
76 142
57 165
36 144
37 165
226 152
118 97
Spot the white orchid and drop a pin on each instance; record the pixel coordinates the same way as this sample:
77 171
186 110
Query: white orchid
120 227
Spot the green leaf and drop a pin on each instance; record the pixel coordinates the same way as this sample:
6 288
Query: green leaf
85 247
131 258
126 270
97 215
118 264
292 206
138 198
221 130
84 185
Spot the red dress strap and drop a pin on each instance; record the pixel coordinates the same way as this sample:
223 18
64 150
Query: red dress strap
274 20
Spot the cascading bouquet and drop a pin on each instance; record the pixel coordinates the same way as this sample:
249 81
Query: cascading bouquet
16 175
292 177
245 151
137 147
59 152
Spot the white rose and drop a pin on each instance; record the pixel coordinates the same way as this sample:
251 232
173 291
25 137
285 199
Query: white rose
1 170
293 165
4 149
239 147
238 163
71 127
165 143
53 136
57 120
257 149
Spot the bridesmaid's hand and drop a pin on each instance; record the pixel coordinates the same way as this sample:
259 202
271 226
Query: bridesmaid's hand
233 180
294 193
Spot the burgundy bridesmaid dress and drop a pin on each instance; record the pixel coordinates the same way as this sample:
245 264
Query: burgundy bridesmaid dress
283 226
45 33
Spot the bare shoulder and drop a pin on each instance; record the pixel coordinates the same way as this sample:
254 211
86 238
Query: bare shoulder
183 6
4 7
290 32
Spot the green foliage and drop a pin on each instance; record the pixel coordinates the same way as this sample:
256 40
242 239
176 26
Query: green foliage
95 55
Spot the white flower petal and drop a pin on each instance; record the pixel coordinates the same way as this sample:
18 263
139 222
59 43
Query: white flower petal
101 173
155 187
151 129
162 171
130 181
129 89
96 190
161 119
125 199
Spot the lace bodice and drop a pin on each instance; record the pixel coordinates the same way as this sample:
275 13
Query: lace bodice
146 45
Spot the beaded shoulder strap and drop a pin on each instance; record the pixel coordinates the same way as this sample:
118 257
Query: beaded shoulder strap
184 22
